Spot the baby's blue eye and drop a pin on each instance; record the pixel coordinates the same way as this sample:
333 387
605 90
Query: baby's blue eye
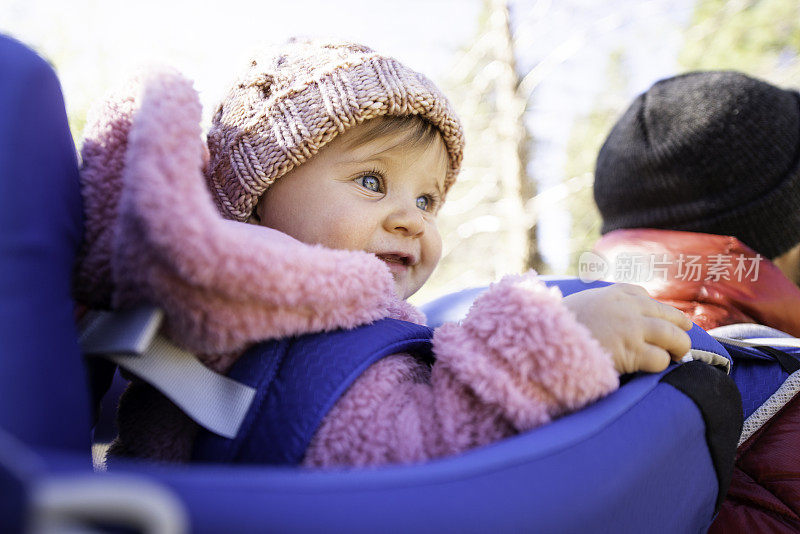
423 203
373 183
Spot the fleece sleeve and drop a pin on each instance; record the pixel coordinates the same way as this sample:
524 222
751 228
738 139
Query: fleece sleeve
518 360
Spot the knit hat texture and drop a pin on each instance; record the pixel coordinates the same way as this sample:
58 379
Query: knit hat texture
716 152
297 97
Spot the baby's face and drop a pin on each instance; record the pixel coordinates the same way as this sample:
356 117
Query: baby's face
379 196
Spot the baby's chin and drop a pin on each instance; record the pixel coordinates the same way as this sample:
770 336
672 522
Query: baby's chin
401 291
402 288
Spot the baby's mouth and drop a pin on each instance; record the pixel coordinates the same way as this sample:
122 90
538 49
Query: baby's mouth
396 262
392 258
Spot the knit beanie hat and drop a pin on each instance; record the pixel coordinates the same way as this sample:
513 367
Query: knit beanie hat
296 98
710 152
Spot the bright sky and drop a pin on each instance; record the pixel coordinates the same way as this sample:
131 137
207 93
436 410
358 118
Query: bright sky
96 43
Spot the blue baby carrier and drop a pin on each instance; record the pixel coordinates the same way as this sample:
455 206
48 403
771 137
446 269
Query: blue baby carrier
655 456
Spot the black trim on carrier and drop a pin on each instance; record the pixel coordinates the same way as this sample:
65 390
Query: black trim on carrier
720 404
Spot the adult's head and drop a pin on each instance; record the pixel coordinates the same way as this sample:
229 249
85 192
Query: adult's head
711 152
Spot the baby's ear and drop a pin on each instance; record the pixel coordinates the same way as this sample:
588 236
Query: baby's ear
255 217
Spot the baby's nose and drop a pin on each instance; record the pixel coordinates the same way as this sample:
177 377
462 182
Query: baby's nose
408 221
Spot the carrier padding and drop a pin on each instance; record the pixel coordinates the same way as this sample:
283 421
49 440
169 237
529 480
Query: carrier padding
298 380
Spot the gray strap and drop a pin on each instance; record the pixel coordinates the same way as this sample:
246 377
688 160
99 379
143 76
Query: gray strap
78 503
746 331
120 332
130 340
711 358
760 341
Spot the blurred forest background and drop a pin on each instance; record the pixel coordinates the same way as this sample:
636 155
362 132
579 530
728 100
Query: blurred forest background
538 84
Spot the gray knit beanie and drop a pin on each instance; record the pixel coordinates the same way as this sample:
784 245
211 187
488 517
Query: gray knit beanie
296 98
711 152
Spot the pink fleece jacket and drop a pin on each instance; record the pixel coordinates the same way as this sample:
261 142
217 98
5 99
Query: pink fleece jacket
518 360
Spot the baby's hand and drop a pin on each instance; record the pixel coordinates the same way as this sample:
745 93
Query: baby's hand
641 334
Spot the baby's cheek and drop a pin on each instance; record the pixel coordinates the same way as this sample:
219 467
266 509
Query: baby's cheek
342 233
433 243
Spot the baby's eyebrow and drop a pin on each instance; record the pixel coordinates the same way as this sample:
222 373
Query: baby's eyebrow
362 161
378 155
381 157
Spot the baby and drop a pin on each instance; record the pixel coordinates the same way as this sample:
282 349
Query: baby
352 154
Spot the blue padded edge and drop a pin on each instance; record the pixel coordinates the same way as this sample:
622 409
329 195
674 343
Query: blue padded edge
42 377
553 479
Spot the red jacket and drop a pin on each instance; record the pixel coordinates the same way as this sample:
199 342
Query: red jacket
717 280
